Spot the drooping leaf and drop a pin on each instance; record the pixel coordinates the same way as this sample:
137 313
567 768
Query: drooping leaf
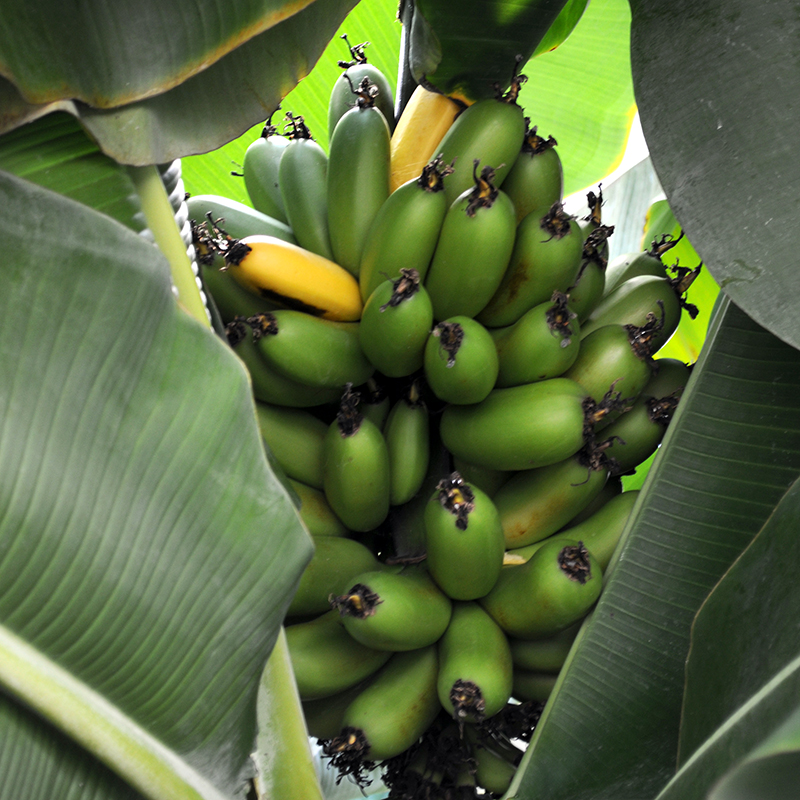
147 554
215 105
719 115
562 27
107 55
733 448
465 48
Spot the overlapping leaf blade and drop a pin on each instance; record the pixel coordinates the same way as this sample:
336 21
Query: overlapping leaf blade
107 55
145 547
611 729
719 115
741 676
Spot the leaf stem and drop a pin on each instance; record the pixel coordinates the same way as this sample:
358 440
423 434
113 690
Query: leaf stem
285 763
160 219
97 724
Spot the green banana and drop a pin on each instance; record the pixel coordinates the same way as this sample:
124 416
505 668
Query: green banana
341 99
326 660
316 512
600 532
548 593
392 712
335 562
615 357
495 764
520 427
324 716
530 685
536 503
464 537
631 303
587 291
638 432
536 178
396 611
375 403
356 468
395 325
313 350
407 435
419 205
543 655
475 666
260 169
460 361
270 386
236 219
295 438
632 265
473 250
489 130
358 177
546 258
303 176
487 480
543 343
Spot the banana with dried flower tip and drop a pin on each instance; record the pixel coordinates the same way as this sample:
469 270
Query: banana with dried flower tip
358 175
303 175
356 467
355 70
419 205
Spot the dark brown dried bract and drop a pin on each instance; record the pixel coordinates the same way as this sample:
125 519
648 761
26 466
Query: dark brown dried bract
450 336
467 700
574 561
457 497
360 602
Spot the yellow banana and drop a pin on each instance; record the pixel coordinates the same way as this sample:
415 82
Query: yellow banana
424 122
295 278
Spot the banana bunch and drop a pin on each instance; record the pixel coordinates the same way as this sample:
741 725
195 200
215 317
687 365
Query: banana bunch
452 378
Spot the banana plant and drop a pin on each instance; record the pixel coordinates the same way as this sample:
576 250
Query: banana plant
148 551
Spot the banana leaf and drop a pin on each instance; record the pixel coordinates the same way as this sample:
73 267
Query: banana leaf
148 552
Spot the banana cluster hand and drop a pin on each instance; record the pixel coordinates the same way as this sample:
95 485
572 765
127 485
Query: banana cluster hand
452 382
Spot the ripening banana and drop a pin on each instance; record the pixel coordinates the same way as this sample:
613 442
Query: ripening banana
535 503
425 120
294 278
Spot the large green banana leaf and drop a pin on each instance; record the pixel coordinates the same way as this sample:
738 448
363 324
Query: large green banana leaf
167 79
719 113
148 552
